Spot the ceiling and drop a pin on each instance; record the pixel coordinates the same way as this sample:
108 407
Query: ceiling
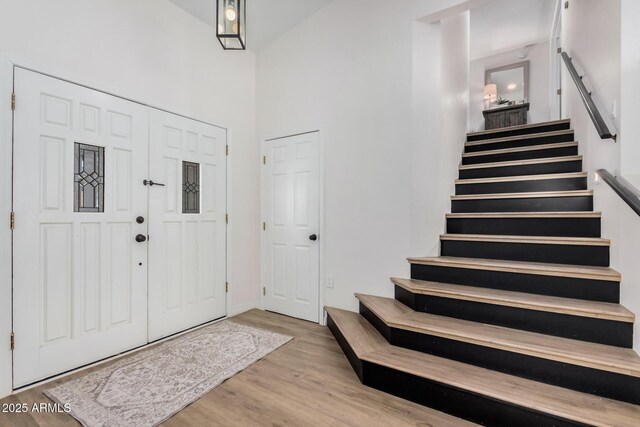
502 25
266 19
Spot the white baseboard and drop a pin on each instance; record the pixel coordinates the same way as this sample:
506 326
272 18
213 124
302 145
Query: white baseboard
241 308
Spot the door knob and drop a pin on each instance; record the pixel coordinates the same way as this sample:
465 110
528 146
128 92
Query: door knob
313 237
141 238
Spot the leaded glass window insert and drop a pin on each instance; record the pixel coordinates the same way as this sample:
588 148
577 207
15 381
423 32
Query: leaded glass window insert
88 178
190 187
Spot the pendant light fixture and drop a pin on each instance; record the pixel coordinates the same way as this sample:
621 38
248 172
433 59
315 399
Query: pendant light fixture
231 21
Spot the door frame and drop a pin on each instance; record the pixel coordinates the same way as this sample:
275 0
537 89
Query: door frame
7 66
321 215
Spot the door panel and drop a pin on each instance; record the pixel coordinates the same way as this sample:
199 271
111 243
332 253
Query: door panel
291 213
187 230
80 278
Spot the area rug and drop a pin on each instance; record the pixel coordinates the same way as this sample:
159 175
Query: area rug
148 387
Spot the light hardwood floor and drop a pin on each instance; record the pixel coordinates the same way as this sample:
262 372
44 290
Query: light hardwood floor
306 382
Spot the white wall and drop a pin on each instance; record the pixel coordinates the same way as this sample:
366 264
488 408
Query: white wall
153 51
591 34
630 92
347 72
538 57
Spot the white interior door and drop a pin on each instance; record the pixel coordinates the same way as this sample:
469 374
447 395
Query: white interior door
187 224
80 277
290 254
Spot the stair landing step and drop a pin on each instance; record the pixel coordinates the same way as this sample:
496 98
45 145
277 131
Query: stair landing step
522 267
557 401
564 350
573 307
540 240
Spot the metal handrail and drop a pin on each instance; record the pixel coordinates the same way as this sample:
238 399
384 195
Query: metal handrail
626 191
596 117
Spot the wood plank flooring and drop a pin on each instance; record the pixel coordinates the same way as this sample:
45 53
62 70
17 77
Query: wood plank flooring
306 382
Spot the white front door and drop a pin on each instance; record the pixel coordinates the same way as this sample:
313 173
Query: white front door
80 276
290 254
187 227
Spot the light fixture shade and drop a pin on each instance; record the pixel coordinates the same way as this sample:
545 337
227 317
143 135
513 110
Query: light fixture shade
491 92
231 19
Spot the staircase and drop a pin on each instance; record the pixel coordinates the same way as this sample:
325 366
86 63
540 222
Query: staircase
517 322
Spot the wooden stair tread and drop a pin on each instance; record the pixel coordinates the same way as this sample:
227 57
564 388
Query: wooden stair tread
572 214
519 137
567 214
561 402
541 177
542 240
574 307
564 350
511 128
521 149
523 267
525 195
521 162
362 337
558 401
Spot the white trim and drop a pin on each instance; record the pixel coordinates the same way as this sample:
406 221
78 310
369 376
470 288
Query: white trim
241 308
229 228
6 132
321 218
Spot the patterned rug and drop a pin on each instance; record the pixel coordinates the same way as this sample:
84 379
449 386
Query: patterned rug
148 387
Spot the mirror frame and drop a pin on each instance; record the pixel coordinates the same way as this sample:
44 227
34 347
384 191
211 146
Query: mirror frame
524 64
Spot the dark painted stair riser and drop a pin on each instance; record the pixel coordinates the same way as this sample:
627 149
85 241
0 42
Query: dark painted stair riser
534 139
601 331
504 133
534 252
457 402
565 166
525 204
588 380
445 398
558 227
522 155
568 287
559 184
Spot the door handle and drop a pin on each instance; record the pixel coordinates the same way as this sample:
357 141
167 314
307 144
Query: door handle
313 237
150 183
141 238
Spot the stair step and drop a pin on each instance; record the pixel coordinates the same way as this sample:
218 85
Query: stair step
568 224
528 129
576 200
573 307
558 250
527 183
540 166
607 371
552 137
598 322
492 398
521 153
568 281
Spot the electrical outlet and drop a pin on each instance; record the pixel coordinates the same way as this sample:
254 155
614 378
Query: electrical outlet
329 281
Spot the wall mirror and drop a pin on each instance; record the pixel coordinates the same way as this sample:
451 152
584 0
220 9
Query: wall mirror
512 82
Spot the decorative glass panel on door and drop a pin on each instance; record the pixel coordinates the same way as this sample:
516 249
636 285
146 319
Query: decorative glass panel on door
88 186
190 187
